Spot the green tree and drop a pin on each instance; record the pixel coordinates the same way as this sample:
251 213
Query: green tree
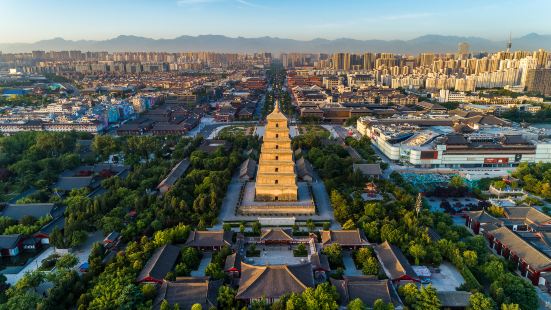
334 254
457 181
67 261
509 307
470 258
510 289
324 296
349 225
295 302
356 304
214 271
340 206
226 297
427 299
190 256
104 145
256 228
78 238
409 294
196 307
379 304
371 266
23 300
417 251
57 239
311 225
149 291
493 269
479 301
165 305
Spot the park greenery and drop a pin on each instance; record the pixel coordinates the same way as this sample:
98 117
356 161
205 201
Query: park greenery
541 116
28 100
535 178
33 160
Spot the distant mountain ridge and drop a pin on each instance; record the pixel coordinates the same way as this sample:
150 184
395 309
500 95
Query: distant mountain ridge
220 43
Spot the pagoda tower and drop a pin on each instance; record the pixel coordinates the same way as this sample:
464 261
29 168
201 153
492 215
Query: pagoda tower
276 178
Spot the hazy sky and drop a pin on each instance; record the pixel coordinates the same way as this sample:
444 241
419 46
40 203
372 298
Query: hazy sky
32 20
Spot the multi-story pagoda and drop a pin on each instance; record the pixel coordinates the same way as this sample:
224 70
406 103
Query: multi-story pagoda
276 177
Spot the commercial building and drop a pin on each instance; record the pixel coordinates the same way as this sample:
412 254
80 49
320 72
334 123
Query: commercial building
479 141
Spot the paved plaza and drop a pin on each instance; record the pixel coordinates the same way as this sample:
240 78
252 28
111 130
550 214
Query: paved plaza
447 279
231 200
275 255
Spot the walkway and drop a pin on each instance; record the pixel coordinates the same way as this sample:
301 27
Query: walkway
349 265
200 272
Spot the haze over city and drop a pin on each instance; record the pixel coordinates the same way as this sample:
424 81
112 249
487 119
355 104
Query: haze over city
275 155
302 20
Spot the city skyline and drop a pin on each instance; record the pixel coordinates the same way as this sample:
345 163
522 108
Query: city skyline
31 21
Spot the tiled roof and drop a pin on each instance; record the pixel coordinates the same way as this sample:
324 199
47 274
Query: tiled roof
393 261
343 237
36 210
275 234
176 172
208 238
521 248
366 288
273 281
160 263
187 291
9 241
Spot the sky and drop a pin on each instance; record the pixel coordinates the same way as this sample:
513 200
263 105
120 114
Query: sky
33 20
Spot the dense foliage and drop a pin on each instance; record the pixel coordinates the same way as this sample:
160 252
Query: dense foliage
34 160
535 178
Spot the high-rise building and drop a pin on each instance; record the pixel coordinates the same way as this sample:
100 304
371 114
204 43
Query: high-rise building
369 61
426 59
524 66
541 57
341 61
539 81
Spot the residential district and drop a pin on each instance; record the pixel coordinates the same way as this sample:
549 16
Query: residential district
294 181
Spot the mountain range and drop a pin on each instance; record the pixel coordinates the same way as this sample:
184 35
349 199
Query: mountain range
219 43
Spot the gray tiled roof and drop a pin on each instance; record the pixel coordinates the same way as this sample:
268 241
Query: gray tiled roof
36 210
160 263
393 261
273 281
9 241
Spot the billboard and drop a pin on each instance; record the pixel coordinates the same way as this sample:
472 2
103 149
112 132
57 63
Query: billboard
429 154
496 160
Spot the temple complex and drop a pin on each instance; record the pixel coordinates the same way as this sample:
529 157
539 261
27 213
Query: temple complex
275 191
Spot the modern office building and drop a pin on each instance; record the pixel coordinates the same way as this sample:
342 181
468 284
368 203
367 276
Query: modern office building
479 141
